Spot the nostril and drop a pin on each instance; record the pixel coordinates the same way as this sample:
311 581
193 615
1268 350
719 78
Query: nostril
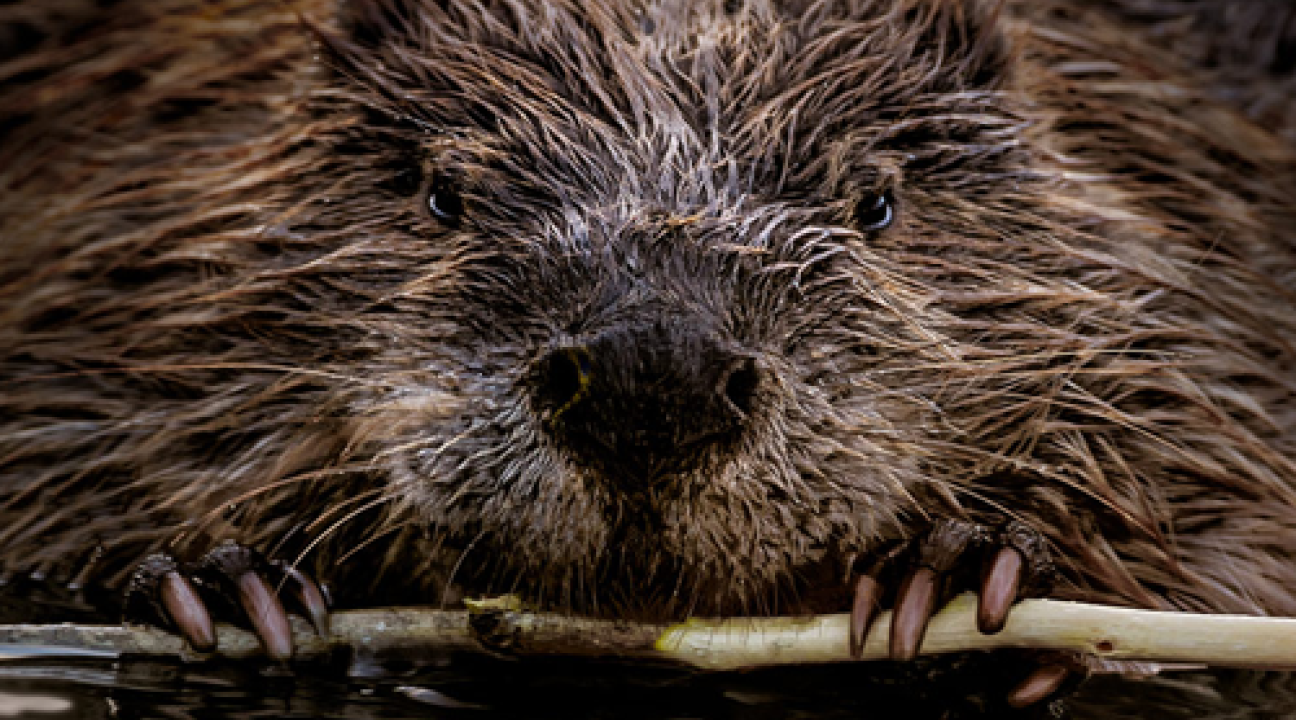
740 385
564 377
636 405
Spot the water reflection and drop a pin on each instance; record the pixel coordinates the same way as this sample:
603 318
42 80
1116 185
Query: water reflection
15 705
485 689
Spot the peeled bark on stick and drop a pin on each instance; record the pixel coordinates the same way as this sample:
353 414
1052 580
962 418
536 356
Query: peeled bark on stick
1101 632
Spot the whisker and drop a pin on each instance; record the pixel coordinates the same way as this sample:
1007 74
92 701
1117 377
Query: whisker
454 571
338 525
343 505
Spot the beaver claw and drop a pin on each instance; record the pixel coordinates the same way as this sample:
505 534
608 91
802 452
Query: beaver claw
160 594
233 582
1015 564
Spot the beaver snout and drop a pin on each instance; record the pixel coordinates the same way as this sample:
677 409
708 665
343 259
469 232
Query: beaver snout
641 402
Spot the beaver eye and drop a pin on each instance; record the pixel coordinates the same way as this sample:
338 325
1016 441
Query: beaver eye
444 202
875 211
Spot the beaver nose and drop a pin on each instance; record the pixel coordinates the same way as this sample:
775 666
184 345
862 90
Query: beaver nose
641 402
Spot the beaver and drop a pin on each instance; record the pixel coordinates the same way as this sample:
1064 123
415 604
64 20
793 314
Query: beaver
642 309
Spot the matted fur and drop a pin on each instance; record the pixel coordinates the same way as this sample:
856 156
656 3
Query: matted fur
224 312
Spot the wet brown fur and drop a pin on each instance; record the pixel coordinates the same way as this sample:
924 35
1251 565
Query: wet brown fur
223 313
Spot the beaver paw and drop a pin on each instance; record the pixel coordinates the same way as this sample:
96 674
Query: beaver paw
231 582
1013 563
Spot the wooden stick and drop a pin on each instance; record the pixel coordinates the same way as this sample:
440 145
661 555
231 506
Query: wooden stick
1106 633
1103 632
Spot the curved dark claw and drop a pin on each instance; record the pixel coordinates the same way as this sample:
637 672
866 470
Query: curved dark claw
999 590
306 597
864 609
267 615
180 599
159 594
1039 685
1021 567
1015 563
240 572
920 592
914 607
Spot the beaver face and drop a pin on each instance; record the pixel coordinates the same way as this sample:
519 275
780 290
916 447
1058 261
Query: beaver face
665 332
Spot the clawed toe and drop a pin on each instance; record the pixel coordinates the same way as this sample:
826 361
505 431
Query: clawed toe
866 605
915 604
1014 562
159 594
239 573
306 596
231 581
999 590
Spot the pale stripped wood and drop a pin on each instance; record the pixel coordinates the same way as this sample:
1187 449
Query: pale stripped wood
1105 633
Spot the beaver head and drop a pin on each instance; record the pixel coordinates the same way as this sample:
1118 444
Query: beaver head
663 325
672 307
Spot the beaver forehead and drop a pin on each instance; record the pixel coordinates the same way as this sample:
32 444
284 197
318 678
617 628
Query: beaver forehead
686 104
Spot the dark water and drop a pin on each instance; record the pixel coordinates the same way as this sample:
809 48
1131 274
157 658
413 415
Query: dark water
488 689
464 688
481 688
